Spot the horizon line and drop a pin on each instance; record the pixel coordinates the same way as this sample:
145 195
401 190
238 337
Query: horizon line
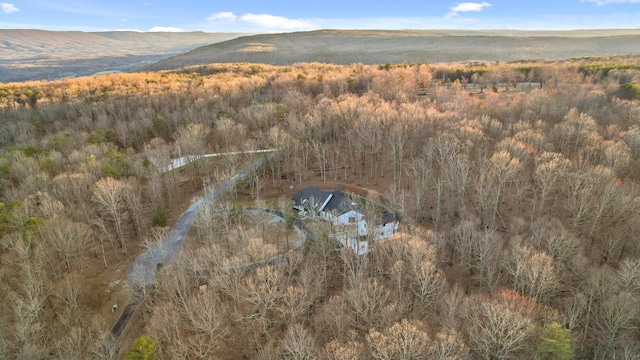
332 29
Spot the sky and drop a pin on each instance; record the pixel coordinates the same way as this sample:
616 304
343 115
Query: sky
251 16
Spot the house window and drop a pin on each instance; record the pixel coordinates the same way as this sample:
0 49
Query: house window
352 219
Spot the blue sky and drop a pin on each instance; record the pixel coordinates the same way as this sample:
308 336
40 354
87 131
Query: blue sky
297 15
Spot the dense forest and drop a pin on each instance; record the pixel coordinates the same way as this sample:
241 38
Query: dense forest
518 186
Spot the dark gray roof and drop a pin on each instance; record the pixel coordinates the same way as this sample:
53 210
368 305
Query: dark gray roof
390 217
320 196
339 203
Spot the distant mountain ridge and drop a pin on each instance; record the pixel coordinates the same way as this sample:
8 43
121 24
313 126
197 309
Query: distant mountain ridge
45 55
41 54
379 47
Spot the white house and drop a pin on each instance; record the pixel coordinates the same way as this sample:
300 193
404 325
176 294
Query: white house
348 216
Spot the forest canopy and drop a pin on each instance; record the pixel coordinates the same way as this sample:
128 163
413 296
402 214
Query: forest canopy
517 185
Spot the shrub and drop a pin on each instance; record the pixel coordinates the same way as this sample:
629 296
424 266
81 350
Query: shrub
160 126
159 218
629 91
144 348
95 137
555 343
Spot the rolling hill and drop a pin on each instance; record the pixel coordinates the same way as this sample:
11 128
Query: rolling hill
39 54
378 47
47 55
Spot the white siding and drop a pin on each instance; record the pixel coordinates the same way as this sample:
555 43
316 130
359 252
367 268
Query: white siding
387 230
350 219
360 247
357 227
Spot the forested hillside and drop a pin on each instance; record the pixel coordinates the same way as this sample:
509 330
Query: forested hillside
518 186
407 46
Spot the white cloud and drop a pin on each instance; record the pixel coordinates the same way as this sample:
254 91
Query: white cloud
279 22
8 8
124 19
222 16
165 29
468 6
605 2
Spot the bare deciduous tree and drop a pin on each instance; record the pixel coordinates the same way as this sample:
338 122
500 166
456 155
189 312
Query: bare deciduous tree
403 340
550 168
450 345
629 275
298 344
136 207
65 244
533 273
504 168
495 330
262 292
618 313
427 280
420 172
109 196
488 260
207 317
334 316
4 347
336 350
192 140
28 306
366 301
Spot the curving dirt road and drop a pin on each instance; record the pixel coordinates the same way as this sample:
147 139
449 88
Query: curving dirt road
142 272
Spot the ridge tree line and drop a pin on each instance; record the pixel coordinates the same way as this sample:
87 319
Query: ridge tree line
530 195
